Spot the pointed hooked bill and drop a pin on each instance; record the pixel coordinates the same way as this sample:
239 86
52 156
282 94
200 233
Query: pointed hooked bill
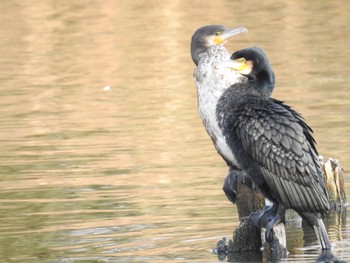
240 65
227 33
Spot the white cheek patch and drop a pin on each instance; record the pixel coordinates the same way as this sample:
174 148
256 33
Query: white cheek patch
249 68
210 41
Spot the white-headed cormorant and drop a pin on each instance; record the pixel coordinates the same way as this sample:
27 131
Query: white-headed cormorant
274 146
212 78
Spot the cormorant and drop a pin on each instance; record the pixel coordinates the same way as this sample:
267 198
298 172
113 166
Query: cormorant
208 36
274 146
212 78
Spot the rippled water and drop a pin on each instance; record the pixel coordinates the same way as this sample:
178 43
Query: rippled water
103 156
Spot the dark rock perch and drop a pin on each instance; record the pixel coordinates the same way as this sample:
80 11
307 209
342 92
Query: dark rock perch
247 241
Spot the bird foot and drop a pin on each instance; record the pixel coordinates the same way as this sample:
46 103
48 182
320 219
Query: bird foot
268 218
269 228
272 222
233 177
261 218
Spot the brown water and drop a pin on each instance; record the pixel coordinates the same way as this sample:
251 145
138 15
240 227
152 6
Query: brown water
103 155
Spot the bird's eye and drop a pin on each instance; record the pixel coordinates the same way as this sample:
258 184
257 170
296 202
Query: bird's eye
217 33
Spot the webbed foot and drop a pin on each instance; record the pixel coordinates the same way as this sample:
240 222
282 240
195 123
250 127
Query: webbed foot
261 218
274 221
234 176
268 218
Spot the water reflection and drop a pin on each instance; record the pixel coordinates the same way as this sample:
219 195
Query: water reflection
128 174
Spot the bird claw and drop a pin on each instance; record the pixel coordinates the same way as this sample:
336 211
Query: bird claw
269 236
261 218
268 218
230 187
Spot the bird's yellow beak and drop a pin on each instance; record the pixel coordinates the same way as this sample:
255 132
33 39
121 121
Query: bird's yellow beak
237 64
222 37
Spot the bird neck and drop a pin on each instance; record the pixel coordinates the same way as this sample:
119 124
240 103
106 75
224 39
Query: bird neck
196 52
215 52
264 83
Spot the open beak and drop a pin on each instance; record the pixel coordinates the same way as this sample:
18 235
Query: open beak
229 33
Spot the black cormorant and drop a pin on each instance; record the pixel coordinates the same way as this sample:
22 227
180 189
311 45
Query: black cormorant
212 78
274 146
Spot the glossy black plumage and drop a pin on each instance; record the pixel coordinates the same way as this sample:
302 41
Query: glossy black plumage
273 144
262 74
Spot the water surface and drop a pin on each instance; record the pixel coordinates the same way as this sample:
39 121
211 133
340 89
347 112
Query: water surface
103 156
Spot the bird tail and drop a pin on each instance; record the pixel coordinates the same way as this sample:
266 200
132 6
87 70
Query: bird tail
317 224
322 236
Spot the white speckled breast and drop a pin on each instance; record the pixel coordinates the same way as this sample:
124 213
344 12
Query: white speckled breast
212 78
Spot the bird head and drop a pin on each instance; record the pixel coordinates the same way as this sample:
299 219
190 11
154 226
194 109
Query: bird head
211 35
249 61
253 63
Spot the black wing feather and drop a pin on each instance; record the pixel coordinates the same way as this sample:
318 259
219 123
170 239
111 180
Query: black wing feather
279 144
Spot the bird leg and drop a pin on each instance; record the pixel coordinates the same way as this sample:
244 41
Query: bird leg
274 221
261 218
268 218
